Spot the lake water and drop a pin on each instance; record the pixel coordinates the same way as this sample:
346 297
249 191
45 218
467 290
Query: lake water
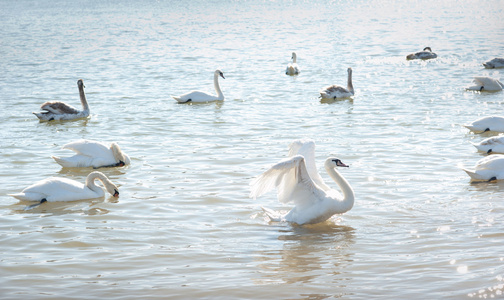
183 226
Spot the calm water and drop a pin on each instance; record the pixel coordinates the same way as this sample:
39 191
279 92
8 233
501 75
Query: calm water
184 226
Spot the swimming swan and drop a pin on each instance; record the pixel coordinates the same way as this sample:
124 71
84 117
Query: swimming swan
292 68
494 63
484 124
338 92
488 168
197 96
425 54
484 83
314 201
57 189
93 154
494 144
56 110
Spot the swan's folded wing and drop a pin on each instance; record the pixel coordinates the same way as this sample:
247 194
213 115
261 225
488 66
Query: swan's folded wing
89 148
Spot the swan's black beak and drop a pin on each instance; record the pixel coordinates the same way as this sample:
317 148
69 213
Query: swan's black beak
339 163
120 164
116 193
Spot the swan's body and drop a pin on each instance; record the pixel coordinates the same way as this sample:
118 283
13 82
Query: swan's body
490 145
339 92
484 124
494 63
297 180
292 68
488 168
56 110
483 83
425 54
93 154
198 96
57 189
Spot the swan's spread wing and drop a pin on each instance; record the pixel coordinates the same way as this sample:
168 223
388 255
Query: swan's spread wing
291 179
59 108
306 148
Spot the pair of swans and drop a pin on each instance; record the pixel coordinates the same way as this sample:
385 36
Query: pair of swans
58 189
338 92
292 68
297 180
485 124
202 97
425 54
93 154
57 110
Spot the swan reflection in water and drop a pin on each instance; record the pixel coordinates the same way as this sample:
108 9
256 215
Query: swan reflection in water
307 253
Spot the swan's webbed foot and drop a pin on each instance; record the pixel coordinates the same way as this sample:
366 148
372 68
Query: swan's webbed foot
492 179
489 151
51 119
481 88
36 204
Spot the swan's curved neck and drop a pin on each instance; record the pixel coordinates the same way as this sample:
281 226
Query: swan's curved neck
90 181
348 194
349 82
216 85
118 154
294 58
83 100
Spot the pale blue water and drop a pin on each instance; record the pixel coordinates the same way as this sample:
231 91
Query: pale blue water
184 226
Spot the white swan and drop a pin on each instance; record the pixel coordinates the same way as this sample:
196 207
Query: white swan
338 92
93 154
57 189
197 96
488 168
484 124
297 180
494 144
56 110
484 83
494 63
425 54
292 68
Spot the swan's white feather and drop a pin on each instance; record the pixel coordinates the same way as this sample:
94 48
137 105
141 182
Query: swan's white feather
202 97
494 63
489 167
56 189
90 154
489 123
493 144
292 67
484 83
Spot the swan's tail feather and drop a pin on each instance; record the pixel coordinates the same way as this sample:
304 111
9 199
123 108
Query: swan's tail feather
272 215
176 98
62 162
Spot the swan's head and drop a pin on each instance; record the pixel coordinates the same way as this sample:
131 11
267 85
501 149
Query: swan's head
294 56
80 83
349 70
121 158
427 49
112 189
219 73
333 162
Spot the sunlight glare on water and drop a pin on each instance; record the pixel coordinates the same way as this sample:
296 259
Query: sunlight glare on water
184 226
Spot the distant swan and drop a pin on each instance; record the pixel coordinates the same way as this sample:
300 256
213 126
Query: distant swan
494 144
484 83
57 189
484 124
292 68
425 54
488 168
93 154
338 92
494 63
296 179
197 96
56 110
